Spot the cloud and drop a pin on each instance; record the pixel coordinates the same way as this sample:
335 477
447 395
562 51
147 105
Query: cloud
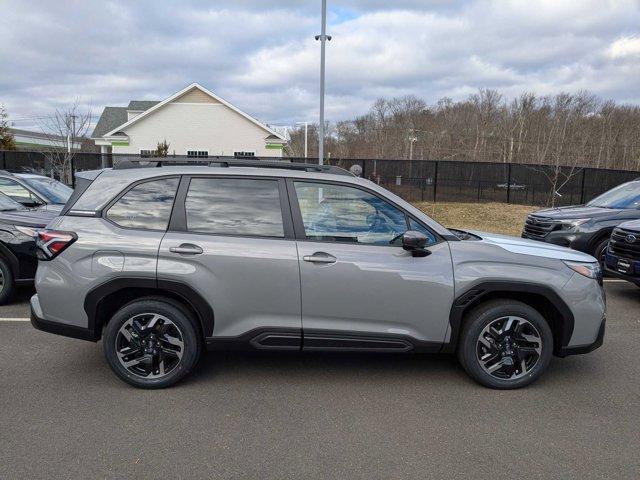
261 56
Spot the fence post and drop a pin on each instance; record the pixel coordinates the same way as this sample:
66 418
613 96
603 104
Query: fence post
509 184
479 181
435 182
4 160
73 173
584 170
364 170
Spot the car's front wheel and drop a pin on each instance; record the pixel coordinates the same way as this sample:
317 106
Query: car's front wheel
151 344
505 344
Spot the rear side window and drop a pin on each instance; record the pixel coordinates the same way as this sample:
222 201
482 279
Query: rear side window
234 206
147 206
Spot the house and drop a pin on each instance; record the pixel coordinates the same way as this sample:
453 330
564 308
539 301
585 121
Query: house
195 122
36 141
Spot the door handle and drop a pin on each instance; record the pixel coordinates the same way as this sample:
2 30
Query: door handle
187 249
320 257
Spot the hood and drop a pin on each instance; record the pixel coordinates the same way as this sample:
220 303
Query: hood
575 211
631 225
29 218
524 246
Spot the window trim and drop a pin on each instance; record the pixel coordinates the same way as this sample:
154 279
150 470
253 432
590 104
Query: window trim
178 221
298 223
102 213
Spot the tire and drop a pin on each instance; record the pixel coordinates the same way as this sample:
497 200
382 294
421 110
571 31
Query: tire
519 333
7 284
599 251
150 343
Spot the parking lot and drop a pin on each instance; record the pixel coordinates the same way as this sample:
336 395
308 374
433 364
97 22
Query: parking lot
65 415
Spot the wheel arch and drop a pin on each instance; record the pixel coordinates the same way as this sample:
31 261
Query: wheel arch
102 301
601 235
541 297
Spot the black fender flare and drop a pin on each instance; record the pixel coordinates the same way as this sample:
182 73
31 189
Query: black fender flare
200 306
483 290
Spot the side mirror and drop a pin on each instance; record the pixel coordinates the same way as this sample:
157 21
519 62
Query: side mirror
414 242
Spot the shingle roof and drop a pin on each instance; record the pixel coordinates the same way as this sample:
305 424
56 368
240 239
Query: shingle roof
142 105
113 117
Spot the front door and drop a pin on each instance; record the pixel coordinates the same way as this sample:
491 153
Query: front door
360 289
231 241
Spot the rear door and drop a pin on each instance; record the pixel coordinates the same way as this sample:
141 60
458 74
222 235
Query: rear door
231 240
360 289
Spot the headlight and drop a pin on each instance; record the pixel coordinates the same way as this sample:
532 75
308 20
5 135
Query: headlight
591 270
569 224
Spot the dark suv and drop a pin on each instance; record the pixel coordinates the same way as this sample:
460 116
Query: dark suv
586 227
622 258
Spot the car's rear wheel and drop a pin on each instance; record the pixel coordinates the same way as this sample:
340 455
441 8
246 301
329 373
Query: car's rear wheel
505 344
151 344
7 284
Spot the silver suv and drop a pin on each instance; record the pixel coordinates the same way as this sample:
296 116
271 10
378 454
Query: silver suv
163 262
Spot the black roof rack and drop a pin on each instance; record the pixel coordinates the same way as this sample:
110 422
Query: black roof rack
225 163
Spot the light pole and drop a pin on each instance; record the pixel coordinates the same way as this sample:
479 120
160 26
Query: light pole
323 37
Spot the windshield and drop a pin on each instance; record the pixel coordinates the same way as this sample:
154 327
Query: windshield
626 195
7 204
52 190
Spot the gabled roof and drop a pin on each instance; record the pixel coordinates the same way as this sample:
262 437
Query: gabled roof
111 117
179 94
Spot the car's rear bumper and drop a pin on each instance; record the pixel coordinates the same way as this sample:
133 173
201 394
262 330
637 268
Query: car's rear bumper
578 350
59 328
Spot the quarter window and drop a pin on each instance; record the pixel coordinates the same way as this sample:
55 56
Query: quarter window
146 206
234 206
346 214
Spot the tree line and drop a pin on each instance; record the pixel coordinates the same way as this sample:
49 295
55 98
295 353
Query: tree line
574 130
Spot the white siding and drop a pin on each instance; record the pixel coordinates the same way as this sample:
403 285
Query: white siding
197 126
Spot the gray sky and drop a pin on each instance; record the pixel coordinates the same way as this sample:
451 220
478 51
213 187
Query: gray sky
261 56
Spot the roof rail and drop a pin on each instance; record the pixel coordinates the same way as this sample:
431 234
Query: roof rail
225 163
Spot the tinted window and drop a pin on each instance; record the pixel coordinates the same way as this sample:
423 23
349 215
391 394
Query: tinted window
347 214
234 206
146 206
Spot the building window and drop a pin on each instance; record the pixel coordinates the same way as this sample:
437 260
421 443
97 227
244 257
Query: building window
197 153
147 153
244 154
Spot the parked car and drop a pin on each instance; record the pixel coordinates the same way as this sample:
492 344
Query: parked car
622 258
586 227
18 260
33 190
163 262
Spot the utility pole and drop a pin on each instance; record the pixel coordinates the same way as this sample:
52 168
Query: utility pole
73 134
323 37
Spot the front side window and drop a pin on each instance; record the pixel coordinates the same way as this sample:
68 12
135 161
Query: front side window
147 206
17 192
234 206
347 214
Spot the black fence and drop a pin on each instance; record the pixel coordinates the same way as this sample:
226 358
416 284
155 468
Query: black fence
417 180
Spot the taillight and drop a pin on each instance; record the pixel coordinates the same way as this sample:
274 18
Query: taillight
51 243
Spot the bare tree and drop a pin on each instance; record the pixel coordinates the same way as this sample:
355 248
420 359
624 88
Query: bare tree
64 129
7 142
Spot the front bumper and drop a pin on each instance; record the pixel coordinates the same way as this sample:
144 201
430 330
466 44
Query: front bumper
564 238
578 350
59 328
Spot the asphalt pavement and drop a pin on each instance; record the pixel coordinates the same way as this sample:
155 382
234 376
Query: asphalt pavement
63 414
